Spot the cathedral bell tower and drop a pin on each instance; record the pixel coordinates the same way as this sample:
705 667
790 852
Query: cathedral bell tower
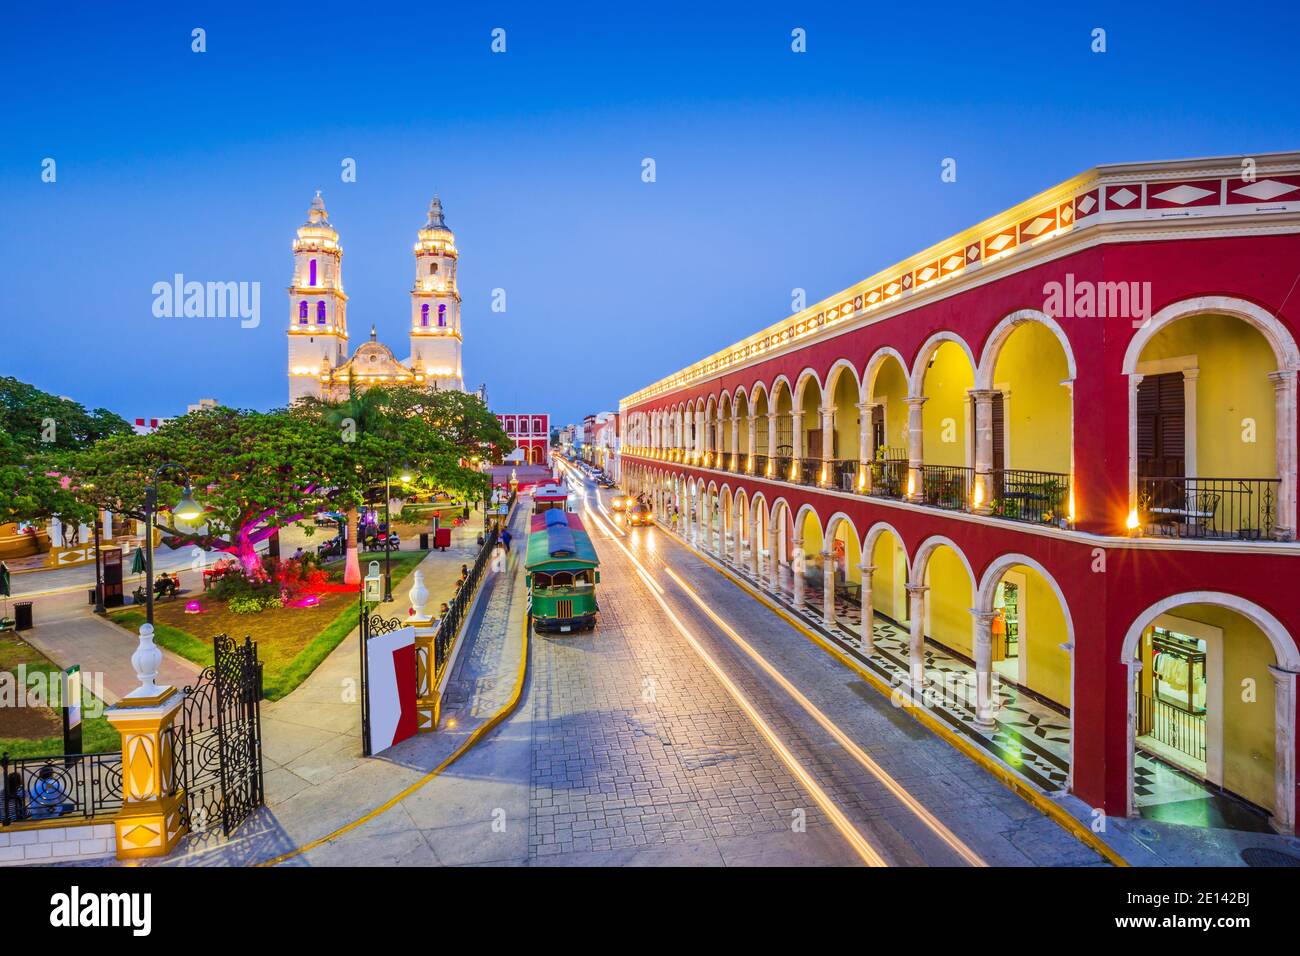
318 326
435 305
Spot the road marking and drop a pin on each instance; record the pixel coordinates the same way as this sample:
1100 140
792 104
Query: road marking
851 834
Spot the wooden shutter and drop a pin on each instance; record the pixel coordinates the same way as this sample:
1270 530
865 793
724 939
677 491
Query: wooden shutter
999 431
1161 426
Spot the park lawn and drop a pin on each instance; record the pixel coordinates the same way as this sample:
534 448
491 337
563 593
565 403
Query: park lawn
291 641
38 731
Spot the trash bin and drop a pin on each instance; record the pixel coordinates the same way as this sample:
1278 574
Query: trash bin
90 596
424 541
22 615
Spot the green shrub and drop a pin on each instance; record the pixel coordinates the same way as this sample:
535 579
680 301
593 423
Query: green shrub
254 603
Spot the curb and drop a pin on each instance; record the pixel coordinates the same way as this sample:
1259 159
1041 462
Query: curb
1039 800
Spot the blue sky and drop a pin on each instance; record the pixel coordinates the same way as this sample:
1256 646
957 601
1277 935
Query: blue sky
775 170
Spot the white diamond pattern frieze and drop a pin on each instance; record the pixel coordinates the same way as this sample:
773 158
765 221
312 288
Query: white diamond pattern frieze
1183 194
1122 197
1266 189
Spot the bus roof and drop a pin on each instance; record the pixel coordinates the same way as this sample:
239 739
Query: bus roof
562 545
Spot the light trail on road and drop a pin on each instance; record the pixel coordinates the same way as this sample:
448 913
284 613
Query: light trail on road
860 844
955 843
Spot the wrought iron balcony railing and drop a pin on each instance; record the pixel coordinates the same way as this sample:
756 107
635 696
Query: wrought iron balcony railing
1173 726
1237 508
843 474
758 465
947 486
1035 497
809 471
887 478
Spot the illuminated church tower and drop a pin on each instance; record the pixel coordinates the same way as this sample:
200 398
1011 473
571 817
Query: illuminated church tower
318 326
435 305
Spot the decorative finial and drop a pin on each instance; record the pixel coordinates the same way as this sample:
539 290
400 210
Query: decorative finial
435 220
373 333
317 213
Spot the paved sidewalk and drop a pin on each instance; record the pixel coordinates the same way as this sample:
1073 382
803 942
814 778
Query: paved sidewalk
316 778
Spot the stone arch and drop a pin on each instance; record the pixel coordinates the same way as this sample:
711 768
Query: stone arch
916 378
1275 333
1003 331
916 573
1287 656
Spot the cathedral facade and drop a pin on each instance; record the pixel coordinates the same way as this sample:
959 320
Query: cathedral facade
319 364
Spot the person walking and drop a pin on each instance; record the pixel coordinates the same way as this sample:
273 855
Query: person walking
506 538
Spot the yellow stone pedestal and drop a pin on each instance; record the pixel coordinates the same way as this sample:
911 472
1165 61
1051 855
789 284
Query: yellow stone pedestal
427 699
149 823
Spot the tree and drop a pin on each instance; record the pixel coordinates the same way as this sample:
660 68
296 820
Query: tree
253 472
38 420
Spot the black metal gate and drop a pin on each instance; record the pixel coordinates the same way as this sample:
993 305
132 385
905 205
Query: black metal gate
218 739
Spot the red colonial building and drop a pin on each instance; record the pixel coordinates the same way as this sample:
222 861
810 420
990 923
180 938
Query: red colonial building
532 433
1052 462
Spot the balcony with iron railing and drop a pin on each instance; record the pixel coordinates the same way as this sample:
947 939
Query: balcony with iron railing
1242 509
947 486
1034 497
888 475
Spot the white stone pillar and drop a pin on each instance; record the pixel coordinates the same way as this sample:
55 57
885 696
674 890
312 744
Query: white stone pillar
755 559
982 399
827 477
1284 417
984 669
828 588
737 522
796 445
916 596
771 444
868 610
915 448
1284 703
774 560
751 442
734 448
865 451
796 571
107 534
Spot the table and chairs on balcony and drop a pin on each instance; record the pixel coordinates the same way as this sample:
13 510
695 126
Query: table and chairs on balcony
1221 508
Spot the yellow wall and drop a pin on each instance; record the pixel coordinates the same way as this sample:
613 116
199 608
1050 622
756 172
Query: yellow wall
882 579
812 537
950 600
1032 365
852 553
1047 667
760 425
742 434
1248 733
945 387
891 388
1234 362
812 419
846 417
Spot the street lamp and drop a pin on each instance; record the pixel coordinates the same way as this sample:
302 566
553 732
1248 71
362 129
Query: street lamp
185 510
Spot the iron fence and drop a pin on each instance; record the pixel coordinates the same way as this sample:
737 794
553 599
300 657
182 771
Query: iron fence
1172 726
759 463
740 463
809 471
1239 508
449 624
50 788
781 467
844 474
947 486
1036 497
888 477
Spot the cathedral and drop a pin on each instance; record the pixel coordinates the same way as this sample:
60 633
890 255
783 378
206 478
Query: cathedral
318 325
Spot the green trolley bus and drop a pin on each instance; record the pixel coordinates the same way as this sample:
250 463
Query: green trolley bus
562 573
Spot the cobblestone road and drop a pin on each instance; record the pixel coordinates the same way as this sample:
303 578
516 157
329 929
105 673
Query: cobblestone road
641 755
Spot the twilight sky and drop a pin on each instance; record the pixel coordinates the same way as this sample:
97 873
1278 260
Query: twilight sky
775 170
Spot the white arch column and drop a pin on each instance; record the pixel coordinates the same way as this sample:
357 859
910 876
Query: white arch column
868 610
1284 401
796 573
984 668
982 398
865 412
827 477
796 444
737 521
755 552
751 442
771 441
828 588
1284 702
915 448
916 596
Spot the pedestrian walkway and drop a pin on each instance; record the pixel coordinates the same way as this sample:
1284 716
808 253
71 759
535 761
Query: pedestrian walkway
316 779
